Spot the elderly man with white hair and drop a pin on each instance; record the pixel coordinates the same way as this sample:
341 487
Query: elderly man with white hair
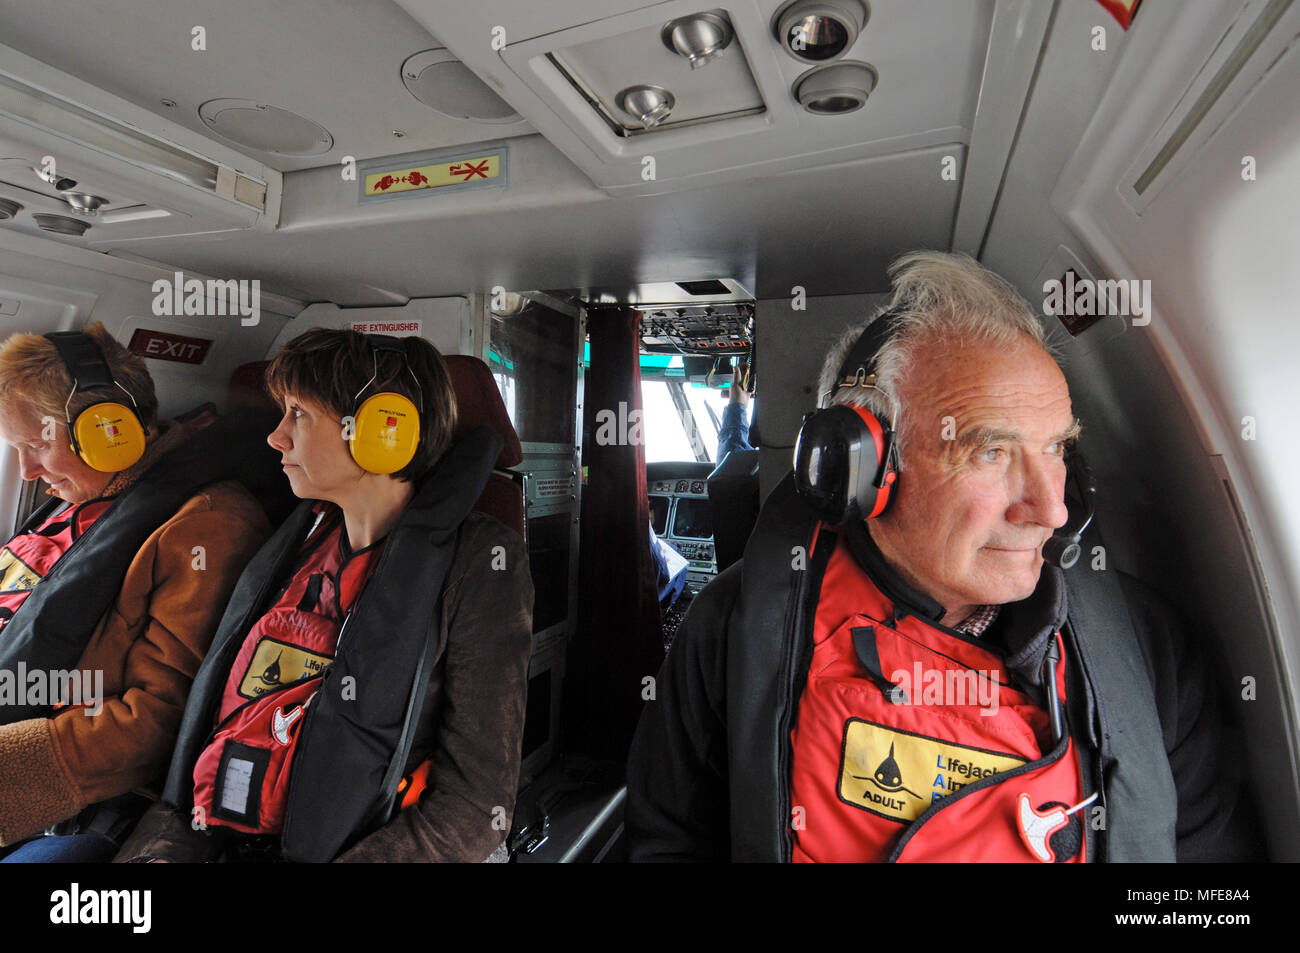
896 665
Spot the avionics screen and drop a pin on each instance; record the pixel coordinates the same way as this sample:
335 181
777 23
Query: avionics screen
693 519
659 514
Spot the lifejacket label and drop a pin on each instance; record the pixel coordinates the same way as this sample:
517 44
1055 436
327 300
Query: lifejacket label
898 775
276 664
238 784
234 793
16 575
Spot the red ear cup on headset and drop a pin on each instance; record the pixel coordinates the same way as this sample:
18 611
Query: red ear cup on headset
844 461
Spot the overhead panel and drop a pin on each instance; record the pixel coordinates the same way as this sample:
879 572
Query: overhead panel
83 165
601 70
678 95
344 66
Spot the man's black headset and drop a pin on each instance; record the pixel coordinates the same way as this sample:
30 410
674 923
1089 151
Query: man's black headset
846 459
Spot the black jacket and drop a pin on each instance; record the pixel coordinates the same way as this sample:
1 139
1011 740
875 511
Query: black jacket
709 770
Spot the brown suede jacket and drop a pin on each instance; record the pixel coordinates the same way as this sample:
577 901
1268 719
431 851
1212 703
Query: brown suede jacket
472 722
148 646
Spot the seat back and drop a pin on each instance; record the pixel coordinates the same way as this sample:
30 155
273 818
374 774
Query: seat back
248 388
247 395
479 403
733 496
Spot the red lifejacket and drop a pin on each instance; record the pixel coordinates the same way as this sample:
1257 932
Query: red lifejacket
938 776
241 778
28 557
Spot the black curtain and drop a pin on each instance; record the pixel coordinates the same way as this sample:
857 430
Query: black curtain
619 638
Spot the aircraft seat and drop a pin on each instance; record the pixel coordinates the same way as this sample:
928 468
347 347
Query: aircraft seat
248 388
733 496
478 402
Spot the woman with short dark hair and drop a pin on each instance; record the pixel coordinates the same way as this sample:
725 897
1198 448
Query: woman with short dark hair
379 642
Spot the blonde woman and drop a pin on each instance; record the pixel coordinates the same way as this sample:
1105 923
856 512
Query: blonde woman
111 592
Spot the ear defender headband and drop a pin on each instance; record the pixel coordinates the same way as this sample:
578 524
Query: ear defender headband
386 426
107 436
845 462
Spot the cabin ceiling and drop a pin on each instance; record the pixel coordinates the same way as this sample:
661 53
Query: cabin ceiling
824 204
336 63
768 234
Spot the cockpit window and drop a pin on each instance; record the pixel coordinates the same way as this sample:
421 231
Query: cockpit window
665 437
668 418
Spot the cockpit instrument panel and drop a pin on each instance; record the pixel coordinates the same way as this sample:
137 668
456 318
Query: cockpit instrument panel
701 330
682 516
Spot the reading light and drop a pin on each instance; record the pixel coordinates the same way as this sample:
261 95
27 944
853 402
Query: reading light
700 37
84 202
649 105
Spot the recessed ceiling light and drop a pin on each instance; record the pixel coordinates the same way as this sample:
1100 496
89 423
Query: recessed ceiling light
700 37
819 30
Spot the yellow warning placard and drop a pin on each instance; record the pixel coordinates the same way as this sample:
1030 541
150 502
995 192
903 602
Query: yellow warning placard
16 575
437 175
276 664
898 775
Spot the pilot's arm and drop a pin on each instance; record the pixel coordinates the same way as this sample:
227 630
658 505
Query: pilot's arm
733 433
677 796
464 813
147 649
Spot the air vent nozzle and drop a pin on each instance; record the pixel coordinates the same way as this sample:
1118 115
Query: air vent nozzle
8 209
836 89
61 224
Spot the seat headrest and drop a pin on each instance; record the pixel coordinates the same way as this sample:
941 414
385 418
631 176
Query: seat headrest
478 402
248 388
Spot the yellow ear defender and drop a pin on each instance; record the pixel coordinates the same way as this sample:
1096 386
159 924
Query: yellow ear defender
108 436
386 427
